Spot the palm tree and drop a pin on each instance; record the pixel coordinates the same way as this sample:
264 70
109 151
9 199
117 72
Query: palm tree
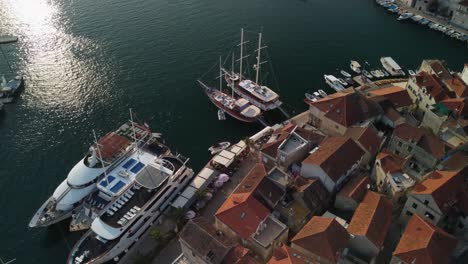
157 234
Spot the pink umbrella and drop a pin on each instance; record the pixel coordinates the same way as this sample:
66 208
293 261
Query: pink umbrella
218 183
223 177
190 214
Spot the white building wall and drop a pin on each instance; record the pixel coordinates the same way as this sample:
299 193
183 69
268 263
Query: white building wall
421 204
312 171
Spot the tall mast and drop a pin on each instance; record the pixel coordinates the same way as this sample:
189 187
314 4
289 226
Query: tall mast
257 67
133 126
220 76
232 70
100 156
241 53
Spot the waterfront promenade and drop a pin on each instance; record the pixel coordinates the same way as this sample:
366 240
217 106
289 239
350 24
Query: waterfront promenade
435 19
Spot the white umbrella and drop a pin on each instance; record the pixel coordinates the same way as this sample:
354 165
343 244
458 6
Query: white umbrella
190 214
223 177
218 184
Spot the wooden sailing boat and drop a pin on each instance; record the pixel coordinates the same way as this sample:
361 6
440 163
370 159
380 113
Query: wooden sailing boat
239 108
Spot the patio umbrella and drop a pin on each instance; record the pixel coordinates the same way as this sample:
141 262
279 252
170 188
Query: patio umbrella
223 177
190 214
218 183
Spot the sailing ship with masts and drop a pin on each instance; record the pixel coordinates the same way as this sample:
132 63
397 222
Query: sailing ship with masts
259 95
238 108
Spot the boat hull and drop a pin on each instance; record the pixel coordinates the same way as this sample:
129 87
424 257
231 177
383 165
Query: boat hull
264 106
230 112
40 213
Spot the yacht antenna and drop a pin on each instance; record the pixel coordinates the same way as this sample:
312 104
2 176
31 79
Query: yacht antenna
257 66
100 156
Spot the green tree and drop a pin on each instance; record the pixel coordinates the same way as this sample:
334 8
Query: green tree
158 235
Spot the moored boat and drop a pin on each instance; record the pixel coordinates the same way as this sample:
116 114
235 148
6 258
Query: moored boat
343 82
258 95
355 66
367 74
345 74
218 147
333 82
411 73
391 66
322 93
10 90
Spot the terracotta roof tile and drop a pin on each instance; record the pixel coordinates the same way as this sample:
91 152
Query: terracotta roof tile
367 136
372 218
432 85
443 186
457 85
239 255
336 155
390 162
241 211
459 106
424 243
271 148
356 188
203 238
322 236
397 95
430 143
287 255
347 108
439 70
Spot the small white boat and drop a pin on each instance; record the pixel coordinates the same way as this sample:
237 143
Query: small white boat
411 73
343 82
367 74
345 74
322 93
375 74
355 66
417 18
405 16
310 98
450 32
219 147
333 82
316 94
386 74
221 115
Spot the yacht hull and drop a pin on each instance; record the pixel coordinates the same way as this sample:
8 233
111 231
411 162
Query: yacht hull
35 220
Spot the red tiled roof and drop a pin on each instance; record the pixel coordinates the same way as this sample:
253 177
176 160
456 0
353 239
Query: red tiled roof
392 114
440 71
241 211
287 255
367 136
424 243
322 236
459 106
309 135
397 95
271 148
443 186
372 218
390 162
356 188
430 143
335 156
457 85
110 145
239 255
347 108
432 84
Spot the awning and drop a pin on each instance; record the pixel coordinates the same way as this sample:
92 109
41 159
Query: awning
222 161
206 173
227 154
180 202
